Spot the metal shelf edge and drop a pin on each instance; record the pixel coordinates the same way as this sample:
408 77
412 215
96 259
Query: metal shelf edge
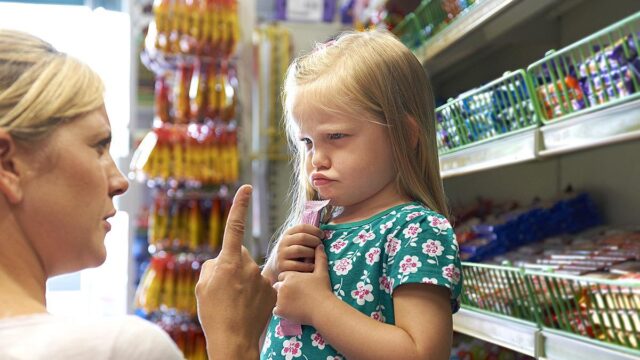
518 336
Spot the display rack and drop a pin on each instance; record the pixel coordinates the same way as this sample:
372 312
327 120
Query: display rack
584 131
574 133
189 159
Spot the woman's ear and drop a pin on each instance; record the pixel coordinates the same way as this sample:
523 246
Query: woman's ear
413 131
9 176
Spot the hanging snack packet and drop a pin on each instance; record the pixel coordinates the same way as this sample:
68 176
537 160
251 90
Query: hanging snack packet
310 215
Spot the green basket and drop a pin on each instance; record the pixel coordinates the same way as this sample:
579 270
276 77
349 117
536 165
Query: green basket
497 289
431 17
603 311
409 32
598 71
501 107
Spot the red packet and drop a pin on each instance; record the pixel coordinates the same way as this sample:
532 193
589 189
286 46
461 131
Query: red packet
310 215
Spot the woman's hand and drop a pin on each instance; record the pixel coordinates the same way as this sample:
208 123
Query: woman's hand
234 299
296 249
301 294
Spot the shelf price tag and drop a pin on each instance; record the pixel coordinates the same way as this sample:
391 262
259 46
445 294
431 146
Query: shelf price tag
305 10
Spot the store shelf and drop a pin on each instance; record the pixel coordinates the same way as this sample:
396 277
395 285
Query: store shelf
474 28
527 338
587 130
503 151
560 346
614 124
517 335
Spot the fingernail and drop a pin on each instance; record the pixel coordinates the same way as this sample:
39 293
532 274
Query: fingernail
321 247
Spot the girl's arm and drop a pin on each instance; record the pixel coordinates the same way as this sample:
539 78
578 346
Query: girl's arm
423 327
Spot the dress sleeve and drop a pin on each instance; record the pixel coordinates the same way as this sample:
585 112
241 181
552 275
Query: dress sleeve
425 252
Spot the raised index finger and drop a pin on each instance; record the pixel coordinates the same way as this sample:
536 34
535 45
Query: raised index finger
234 230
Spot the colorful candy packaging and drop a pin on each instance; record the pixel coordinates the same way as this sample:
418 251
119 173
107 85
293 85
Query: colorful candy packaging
311 215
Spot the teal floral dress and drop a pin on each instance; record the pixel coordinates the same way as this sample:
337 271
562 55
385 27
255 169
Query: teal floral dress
368 260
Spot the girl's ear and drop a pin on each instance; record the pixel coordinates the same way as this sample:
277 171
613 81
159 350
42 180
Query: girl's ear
413 131
9 176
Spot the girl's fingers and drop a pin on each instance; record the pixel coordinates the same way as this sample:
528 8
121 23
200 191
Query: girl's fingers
306 229
292 265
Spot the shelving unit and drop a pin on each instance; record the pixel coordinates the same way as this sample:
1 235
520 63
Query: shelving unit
548 149
526 338
599 128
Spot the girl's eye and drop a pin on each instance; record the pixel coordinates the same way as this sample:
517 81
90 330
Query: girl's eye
336 136
306 141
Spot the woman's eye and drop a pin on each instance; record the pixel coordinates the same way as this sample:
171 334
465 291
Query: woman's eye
336 136
103 146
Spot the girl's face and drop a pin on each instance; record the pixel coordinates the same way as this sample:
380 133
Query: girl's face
68 194
350 162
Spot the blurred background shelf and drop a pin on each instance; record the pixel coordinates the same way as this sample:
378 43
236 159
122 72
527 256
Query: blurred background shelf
472 30
520 336
607 126
560 346
513 149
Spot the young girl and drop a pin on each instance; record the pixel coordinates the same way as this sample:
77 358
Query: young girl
387 276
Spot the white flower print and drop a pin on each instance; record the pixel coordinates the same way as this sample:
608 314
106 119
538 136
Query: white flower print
328 234
342 266
410 265
414 215
363 237
291 348
426 280
411 207
317 340
386 226
377 315
432 248
337 246
362 293
392 245
439 224
372 256
386 284
279 333
337 357
451 273
411 231
267 342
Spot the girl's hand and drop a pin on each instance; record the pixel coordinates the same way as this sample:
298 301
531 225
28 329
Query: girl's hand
300 294
295 251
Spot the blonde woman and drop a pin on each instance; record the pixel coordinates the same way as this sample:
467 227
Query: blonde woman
57 184
385 275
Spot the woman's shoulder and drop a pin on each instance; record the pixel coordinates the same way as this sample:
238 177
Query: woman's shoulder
76 338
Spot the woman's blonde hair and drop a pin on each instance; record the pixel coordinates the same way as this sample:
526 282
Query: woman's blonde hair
375 74
40 87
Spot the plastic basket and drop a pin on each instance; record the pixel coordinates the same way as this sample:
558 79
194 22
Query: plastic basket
501 107
497 289
600 70
431 17
408 31
605 310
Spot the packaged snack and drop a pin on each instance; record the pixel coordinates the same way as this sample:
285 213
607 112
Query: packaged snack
311 215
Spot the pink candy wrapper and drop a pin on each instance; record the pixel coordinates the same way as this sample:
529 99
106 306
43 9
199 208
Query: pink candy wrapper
310 215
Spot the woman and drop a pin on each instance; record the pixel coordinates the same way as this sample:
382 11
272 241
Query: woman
57 184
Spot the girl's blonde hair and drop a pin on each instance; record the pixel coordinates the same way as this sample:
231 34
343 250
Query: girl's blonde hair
375 74
40 87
